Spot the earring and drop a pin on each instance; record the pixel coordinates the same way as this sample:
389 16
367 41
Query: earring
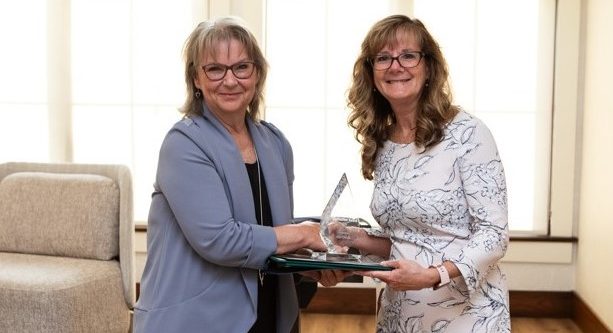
197 94
427 83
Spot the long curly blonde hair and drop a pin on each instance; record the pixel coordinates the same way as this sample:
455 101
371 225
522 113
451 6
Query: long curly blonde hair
371 114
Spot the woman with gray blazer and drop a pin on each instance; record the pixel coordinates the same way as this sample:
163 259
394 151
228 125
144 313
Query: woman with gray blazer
222 201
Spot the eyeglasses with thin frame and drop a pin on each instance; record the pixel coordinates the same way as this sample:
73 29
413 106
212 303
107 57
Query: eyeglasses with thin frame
241 70
383 62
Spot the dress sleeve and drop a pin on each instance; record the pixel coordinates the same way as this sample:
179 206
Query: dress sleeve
485 189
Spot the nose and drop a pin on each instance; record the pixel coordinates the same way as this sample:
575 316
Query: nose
395 59
230 79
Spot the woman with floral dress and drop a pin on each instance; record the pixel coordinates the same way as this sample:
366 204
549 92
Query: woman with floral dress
439 189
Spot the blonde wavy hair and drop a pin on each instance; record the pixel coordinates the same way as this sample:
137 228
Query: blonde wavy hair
203 40
371 114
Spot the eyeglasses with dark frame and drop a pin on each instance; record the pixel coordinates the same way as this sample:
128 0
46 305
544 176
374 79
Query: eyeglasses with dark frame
241 70
383 62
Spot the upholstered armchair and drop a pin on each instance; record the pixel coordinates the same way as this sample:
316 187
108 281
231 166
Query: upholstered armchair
66 248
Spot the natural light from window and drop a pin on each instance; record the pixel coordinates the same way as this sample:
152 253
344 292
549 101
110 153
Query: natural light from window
124 83
501 71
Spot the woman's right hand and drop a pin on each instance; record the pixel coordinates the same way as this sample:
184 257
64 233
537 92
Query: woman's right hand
357 238
342 235
291 237
311 232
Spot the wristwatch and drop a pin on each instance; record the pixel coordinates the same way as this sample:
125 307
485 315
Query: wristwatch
444 275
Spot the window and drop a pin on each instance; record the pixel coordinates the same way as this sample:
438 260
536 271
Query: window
117 93
311 65
501 65
127 83
99 81
24 129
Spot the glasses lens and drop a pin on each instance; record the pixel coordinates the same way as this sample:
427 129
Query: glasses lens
243 70
382 62
409 59
406 60
214 71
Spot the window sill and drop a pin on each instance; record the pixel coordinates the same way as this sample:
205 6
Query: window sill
523 248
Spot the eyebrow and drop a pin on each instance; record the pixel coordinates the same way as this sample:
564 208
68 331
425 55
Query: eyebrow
234 63
401 51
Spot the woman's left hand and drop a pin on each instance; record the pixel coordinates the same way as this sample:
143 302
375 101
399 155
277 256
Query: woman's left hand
406 275
328 278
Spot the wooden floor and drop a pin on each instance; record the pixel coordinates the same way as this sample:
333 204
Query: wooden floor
341 323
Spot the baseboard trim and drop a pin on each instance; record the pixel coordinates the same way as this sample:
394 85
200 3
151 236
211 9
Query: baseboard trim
541 304
343 301
586 319
536 304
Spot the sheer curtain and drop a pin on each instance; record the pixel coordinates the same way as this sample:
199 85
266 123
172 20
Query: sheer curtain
501 65
99 81
93 81
127 83
501 61
24 118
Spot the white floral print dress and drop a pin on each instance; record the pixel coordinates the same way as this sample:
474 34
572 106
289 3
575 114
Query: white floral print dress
447 203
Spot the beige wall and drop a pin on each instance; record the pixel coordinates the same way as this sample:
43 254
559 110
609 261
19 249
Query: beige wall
594 273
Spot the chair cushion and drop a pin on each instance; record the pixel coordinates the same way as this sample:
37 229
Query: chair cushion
52 294
75 215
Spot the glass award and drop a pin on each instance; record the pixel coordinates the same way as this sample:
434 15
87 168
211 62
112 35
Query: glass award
339 209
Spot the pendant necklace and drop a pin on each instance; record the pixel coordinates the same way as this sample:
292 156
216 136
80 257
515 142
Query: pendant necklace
261 221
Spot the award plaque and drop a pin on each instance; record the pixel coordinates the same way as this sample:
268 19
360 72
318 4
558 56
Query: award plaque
294 262
333 258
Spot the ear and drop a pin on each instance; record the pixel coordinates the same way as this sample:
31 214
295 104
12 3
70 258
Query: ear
197 83
257 74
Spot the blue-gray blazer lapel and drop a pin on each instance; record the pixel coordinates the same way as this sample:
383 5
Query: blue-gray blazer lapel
230 166
270 156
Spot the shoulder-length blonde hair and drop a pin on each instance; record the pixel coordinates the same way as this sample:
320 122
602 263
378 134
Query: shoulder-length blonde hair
203 40
371 114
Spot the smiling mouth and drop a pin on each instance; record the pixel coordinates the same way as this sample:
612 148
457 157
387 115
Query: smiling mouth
397 81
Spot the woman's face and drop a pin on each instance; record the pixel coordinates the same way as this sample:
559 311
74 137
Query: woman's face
399 85
229 95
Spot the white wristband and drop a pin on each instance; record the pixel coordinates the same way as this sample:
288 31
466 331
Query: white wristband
443 274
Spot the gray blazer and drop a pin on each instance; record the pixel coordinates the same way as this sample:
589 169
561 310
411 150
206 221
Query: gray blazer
204 245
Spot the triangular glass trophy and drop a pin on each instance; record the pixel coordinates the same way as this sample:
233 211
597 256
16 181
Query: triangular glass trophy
339 209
